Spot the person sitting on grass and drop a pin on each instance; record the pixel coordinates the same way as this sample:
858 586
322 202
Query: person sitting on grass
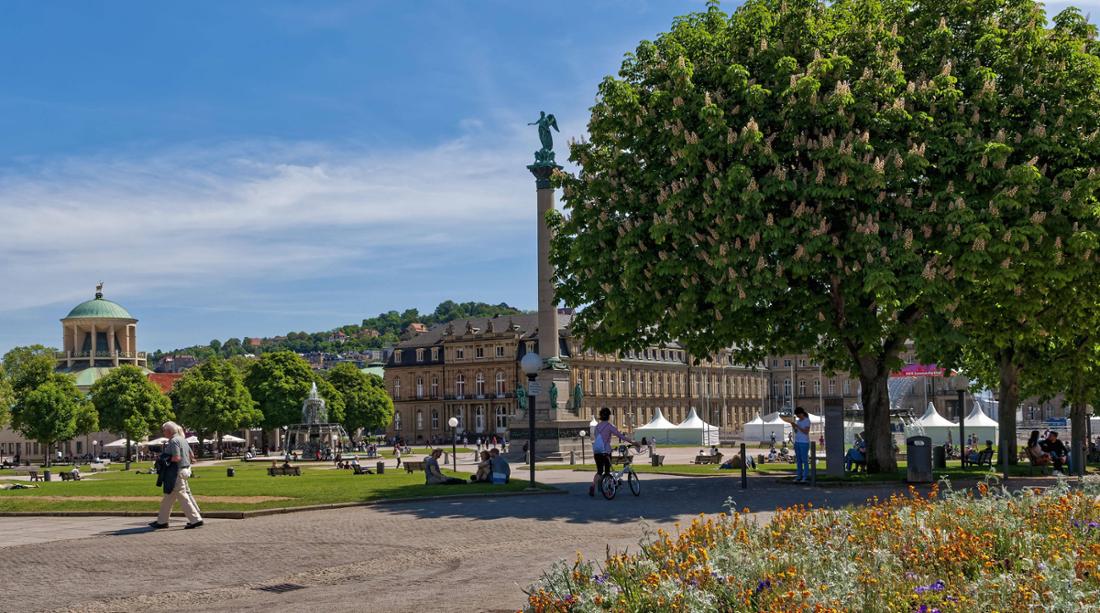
484 469
773 455
857 454
500 471
432 474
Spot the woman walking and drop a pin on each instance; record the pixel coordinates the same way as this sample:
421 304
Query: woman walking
801 423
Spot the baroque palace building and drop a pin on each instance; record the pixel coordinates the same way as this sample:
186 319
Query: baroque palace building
469 369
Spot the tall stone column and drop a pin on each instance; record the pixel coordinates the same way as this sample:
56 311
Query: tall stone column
548 311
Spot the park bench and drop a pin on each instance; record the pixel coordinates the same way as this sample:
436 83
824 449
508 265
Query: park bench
657 460
985 458
413 466
359 470
68 476
708 459
1032 463
98 467
286 471
34 475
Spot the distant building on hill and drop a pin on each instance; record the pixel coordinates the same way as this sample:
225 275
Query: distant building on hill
175 363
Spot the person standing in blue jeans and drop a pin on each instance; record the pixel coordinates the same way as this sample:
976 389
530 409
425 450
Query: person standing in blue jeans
801 445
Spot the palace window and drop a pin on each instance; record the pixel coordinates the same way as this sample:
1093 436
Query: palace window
460 353
419 355
847 387
397 356
396 421
435 354
787 388
479 352
603 385
419 420
832 387
435 419
817 388
801 388
479 418
801 363
786 363
501 419
435 387
460 385
500 383
419 387
397 389
479 384
500 351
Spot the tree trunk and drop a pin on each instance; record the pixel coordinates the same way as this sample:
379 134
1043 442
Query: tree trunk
202 437
127 452
875 395
46 457
1078 439
1009 397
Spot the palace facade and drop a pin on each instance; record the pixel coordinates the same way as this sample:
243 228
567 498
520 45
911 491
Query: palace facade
469 369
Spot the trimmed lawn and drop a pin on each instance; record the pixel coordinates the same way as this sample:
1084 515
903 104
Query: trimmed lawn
251 489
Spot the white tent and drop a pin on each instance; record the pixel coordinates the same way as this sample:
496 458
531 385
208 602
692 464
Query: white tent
851 429
697 430
155 442
121 443
1094 424
934 426
659 430
977 422
229 438
192 440
760 429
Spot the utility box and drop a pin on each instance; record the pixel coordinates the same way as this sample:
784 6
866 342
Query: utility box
918 450
939 457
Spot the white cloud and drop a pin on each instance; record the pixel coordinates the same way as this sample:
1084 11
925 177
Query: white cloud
209 216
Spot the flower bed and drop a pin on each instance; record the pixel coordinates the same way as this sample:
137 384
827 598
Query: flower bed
947 551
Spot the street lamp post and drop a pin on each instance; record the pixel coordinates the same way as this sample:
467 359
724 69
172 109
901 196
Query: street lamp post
453 423
962 418
583 433
531 365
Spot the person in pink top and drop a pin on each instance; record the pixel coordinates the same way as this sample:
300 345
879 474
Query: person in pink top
601 446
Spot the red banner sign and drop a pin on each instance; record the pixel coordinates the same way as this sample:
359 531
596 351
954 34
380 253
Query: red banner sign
919 370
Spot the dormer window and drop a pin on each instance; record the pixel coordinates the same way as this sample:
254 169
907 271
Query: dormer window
419 355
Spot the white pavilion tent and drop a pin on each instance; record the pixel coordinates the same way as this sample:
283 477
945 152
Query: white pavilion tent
934 426
760 429
697 430
977 422
122 443
660 430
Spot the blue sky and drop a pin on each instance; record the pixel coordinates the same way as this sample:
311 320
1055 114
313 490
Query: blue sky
252 168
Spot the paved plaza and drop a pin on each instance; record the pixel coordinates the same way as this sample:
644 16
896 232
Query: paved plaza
462 555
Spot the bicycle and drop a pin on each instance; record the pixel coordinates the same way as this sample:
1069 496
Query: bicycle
610 483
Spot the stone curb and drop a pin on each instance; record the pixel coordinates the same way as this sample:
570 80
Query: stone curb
283 510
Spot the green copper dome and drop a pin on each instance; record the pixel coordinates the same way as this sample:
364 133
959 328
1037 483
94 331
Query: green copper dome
99 308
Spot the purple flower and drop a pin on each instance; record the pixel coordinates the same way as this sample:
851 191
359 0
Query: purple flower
763 585
599 579
1093 524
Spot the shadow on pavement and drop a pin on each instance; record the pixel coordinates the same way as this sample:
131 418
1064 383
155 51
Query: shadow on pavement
663 499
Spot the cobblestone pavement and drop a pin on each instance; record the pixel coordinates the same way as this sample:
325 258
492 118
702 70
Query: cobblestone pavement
461 555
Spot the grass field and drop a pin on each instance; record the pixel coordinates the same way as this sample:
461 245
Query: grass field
251 489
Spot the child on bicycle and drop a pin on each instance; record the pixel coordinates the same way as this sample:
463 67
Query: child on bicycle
601 447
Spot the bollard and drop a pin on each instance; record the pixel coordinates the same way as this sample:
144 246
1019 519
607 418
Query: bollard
744 468
572 457
813 463
380 468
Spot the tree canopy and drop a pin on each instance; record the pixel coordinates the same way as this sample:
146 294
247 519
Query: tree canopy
7 397
804 175
129 403
28 367
280 382
366 403
51 412
212 397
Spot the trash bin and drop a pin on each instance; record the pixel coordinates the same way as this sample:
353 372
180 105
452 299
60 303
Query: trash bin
380 467
918 450
230 472
939 457
46 476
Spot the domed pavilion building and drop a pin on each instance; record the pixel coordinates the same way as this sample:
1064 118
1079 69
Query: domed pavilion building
98 335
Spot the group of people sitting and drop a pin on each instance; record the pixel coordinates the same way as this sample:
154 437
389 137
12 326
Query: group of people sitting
1047 450
492 468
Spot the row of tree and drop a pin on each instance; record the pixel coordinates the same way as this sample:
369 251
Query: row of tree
215 398
839 177
389 327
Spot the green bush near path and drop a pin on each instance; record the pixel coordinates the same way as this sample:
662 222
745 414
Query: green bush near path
319 484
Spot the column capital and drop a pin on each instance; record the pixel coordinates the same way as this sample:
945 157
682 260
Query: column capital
543 171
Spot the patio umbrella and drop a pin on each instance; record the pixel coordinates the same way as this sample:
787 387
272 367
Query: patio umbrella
229 438
120 443
192 440
156 441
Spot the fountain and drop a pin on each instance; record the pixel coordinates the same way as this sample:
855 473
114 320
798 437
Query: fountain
315 433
